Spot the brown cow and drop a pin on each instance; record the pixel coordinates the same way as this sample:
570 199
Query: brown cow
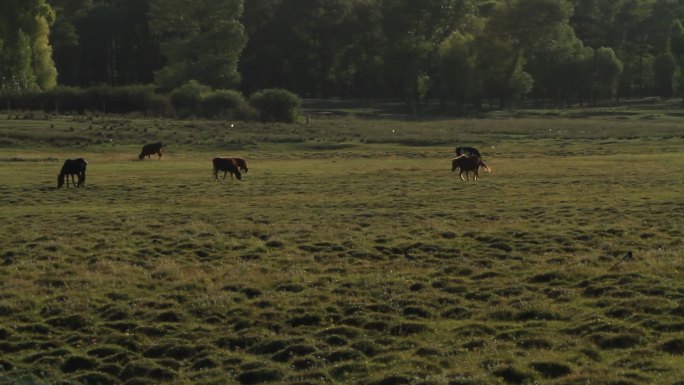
242 164
466 164
152 148
226 165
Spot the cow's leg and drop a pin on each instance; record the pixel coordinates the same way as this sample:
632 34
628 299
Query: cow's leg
461 175
224 174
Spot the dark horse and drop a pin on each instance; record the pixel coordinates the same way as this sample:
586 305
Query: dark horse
468 163
226 165
152 148
73 167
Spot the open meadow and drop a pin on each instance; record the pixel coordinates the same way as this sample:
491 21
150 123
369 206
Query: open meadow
348 254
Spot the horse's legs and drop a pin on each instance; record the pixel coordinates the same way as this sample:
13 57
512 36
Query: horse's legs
475 175
461 174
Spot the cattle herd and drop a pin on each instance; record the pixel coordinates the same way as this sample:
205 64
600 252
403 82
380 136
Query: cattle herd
468 159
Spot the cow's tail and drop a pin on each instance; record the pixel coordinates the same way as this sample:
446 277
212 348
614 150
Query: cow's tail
485 167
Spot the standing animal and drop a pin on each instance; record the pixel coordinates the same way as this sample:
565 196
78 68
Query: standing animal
152 148
469 151
466 164
242 164
70 168
226 165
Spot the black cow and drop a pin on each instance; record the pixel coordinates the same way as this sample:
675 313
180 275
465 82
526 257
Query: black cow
152 148
73 167
469 151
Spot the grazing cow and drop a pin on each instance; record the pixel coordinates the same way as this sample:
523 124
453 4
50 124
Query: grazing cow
152 148
73 167
226 165
469 151
466 164
242 164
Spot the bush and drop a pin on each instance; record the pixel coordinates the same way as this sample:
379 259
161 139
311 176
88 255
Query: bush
121 100
276 105
67 99
158 105
227 104
186 99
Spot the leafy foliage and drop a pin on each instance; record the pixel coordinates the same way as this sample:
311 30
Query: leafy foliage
186 98
202 40
460 51
276 105
226 104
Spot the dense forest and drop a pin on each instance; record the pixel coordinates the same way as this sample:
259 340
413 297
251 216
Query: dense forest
464 52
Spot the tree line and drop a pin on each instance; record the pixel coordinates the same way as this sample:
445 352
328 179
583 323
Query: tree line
464 53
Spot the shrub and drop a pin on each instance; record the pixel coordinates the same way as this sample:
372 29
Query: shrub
276 105
158 105
124 99
227 104
67 99
186 98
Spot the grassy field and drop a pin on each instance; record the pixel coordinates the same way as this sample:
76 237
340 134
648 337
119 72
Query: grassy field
348 254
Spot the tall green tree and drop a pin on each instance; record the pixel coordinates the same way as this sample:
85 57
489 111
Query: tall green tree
261 64
413 31
664 69
200 39
361 65
607 70
677 50
313 47
458 73
557 66
515 31
25 52
65 39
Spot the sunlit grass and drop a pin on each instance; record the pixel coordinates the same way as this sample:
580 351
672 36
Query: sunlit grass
368 262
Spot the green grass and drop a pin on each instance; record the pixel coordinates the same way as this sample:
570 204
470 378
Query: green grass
349 253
